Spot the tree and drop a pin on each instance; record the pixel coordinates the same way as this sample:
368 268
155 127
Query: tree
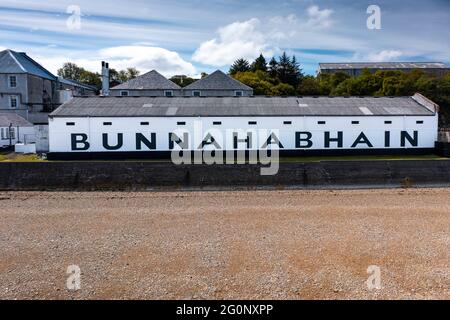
260 64
240 65
70 71
273 68
283 89
91 78
309 86
257 80
182 80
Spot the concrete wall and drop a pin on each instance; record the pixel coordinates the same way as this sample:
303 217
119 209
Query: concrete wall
149 175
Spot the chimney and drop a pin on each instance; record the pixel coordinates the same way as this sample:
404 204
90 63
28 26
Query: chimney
105 78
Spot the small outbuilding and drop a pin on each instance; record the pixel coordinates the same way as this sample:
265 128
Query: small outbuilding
15 129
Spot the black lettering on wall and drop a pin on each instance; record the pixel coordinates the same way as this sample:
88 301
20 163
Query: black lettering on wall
248 140
387 139
413 141
173 138
141 139
117 146
299 140
339 139
209 139
79 138
362 139
273 139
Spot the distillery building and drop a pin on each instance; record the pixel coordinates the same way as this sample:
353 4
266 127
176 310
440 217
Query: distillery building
146 126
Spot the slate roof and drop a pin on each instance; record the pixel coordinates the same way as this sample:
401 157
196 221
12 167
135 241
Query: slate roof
243 106
16 120
18 62
384 65
217 81
152 80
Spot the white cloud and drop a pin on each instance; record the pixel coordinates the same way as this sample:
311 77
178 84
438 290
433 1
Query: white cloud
381 56
144 58
319 18
236 40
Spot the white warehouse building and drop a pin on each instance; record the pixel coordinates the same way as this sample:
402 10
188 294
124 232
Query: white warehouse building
129 127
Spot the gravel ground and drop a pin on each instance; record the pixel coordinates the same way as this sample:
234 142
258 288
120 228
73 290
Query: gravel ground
226 245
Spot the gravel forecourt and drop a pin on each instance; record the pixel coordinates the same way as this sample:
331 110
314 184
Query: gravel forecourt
282 244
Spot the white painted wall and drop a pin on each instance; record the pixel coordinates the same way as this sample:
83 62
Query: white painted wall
21 134
372 126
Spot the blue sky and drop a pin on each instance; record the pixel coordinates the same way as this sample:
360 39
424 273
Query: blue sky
190 37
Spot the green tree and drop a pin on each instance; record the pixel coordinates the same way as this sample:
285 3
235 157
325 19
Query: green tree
260 64
70 71
258 80
182 80
273 68
309 86
240 65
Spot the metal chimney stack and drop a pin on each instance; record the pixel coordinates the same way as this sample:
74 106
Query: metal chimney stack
105 78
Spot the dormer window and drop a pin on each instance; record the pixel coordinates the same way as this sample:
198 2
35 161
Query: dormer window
168 93
12 81
196 93
239 93
124 93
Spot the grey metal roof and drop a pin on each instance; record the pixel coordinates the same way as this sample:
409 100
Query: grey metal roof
217 81
242 106
384 65
18 62
14 119
149 81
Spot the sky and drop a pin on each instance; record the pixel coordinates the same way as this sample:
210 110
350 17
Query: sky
192 36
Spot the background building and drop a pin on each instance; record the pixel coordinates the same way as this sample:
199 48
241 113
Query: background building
14 129
217 84
356 68
150 84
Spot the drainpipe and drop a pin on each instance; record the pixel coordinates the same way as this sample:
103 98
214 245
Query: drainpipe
9 131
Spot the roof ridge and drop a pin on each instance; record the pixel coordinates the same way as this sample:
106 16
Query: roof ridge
15 59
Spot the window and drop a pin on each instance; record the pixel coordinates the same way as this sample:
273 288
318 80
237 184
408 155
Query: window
196 93
107 123
287 122
217 123
6 133
124 93
419 122
145 123
13 102
168 93
12 81
321 122
355 122
70 123
388 122
252 123
181 123
238 93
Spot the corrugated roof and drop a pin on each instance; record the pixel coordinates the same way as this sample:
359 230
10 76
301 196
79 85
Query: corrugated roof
217 81
152 80
384 65
76 84
242 106
16 120
18 62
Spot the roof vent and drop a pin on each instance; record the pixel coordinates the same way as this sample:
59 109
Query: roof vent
148 105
